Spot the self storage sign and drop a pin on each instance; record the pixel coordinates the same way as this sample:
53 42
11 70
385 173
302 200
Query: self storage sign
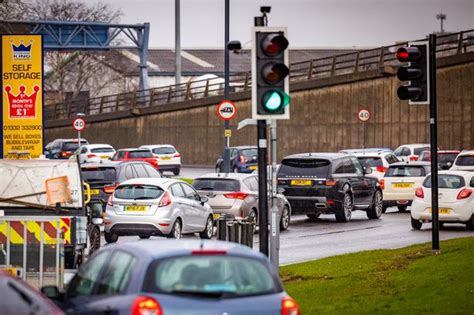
22 94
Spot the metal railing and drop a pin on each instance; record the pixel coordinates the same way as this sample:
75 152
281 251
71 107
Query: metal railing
346 63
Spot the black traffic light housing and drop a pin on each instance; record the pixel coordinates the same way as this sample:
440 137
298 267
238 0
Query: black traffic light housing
416 72
270 82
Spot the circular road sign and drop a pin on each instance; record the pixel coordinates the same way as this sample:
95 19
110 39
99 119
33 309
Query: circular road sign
79 124
226 110
363 115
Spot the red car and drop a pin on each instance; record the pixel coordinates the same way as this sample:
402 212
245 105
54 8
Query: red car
136 155
445 157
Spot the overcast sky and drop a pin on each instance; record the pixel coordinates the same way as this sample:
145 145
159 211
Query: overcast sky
311 23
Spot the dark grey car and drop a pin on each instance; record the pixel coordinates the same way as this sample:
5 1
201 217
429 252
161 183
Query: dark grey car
176 277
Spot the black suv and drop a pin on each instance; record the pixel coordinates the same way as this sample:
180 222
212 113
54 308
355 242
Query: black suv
104 177
243 159
316 183
62 148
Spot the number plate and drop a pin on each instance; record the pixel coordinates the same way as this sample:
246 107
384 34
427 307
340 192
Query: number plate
95 191
104 156
136 208
9 270
441 210
296 182
402 185
166 157
252 168
216 216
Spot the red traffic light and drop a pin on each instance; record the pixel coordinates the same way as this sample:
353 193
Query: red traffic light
405 54
273 73
274 44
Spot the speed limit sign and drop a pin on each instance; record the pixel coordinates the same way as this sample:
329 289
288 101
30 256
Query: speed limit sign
79 124
363 115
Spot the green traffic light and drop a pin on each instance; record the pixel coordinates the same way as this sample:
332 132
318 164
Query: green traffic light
275 100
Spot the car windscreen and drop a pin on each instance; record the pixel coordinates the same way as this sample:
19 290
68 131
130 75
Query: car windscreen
212 276
164 150
295 167
405 171
465 160
370 161
446 181
99 174
249 153
216 184
137 191
102 150
140 154
417 151
72 145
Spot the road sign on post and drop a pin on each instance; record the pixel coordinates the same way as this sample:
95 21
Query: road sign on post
226 110
363 115
79 124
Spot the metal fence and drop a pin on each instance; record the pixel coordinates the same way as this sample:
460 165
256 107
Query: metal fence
347 63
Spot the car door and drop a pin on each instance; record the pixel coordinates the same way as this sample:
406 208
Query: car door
183 205
355 181
83 155
197 212
367 183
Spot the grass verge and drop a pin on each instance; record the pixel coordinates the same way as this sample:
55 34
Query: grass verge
407 280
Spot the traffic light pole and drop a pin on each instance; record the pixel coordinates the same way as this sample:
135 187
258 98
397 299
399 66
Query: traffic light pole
226 163
274 213
262 186
433 142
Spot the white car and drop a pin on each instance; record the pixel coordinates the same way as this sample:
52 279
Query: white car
377 161
464 162
456 202
400 182
168 157
410 152
94 153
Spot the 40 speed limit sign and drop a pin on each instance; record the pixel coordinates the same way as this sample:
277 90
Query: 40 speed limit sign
363 115
79 124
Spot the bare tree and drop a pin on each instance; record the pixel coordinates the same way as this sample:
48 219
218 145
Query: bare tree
13 10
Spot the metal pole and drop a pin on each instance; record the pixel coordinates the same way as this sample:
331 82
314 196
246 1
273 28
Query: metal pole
25 241
262 186
7 259
226 85
275 217
41 255
177 45
143 37
433 142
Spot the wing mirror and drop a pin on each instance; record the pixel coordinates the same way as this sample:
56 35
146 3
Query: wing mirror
52 292
204 199
368 171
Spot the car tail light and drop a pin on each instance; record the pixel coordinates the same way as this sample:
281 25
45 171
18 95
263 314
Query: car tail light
465 193
177 155
65 153
381 169
330 202
382 184
209 252
110 201
144 305
419 193
165 200
110 189
289 306
413 158
236 195
91 156
330 183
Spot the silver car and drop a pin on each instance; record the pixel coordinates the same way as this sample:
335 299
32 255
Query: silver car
159 207
236 195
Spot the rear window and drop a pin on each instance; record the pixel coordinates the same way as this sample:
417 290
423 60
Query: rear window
465 160
165 150
446 181
304 168
417 151
405 171
216 184
249 152
370 161
447 157
72 146
100 174
102 150
140 154
138 192
212 276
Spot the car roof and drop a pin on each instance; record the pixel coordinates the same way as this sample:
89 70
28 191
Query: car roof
156 181
131 149
157 146
111 164
372 154
317 155
70 139
460 173
466 152
238 176
415 145
367 150
244 147
98 145
414 163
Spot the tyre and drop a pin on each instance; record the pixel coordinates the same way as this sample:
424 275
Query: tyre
218 169
345 213
176 171
313 216
208 230
384 209
176 230
144 236
416 224
377 206
470 224
402 208
285 219
94 239
110 237
253 218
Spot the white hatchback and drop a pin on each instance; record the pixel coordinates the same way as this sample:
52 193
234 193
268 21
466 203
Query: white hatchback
410 152
94 153
456 202
464 162
377 161
168 157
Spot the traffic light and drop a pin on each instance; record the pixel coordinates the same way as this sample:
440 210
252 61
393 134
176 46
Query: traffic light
416 72
270 81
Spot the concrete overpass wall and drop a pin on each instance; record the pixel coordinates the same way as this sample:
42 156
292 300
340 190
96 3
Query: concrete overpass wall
323 117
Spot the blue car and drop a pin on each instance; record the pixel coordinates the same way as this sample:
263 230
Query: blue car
177 277
243 159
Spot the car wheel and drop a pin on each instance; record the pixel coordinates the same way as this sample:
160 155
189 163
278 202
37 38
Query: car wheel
285 219
218 169
416 224
176 171
252 218
176 230
384 209
144 236
313 216
377 206
470 224
345 214
94 239
208 230
110 237
402 208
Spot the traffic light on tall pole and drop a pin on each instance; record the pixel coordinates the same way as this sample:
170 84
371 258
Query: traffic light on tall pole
416 72
270 80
